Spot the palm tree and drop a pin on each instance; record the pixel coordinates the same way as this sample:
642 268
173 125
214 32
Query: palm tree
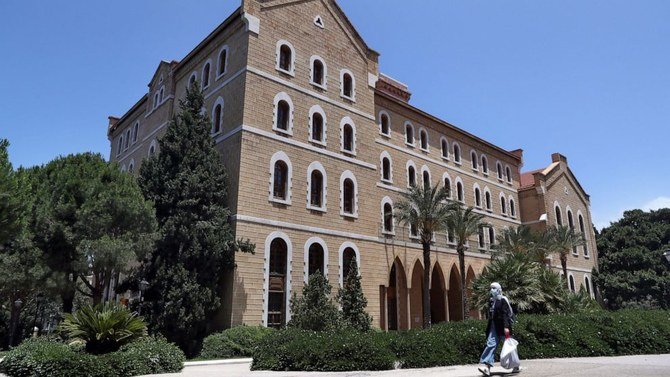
425 208
563 240
519 240
462 223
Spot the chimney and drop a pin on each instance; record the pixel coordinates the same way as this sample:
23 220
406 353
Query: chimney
557 157
112 121
393 87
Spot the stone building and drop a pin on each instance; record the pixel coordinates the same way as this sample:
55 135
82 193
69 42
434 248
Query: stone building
318 145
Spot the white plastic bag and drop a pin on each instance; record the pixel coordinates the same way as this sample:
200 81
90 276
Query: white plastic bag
509 357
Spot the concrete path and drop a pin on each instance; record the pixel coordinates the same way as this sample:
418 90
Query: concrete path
638 366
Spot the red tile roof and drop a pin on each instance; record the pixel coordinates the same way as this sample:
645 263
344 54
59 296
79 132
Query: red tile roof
527 179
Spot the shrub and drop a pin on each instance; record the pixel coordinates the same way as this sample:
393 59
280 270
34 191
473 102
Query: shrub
315 310
104 328
353 300
342 350
46 358
235 342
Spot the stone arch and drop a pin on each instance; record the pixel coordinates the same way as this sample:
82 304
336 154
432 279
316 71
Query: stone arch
416 296
438 295
395 298
454 295
472 313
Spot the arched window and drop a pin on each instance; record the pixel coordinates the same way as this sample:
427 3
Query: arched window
131 166
161 95
571 281
409 134
473 160
480 238
426 179
205 75
445 148
316 191
285 57
508 173
152 148
386 169
413 230
503 205
459 192
447 185
384 124
348 195
280 185
485 165
277 284
317 127
136 131
499 170
457 153
348 85
318 72
559 219
315 259
581 229
283 117
119 146
587 284
411 176
217 116
192 79
388 217
348 138
423 136
571 223
348 255
223 61
487 200
127 144
478 197
492 236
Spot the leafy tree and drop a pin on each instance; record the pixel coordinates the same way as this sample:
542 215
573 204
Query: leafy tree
195 250
518 240
563 240
10 206
315 310
463 223
87 217
632 271
353 300
425 208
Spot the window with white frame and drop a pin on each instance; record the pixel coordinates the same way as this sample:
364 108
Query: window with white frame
446 181
161 95
136 131
571 280
409 134
192 80
478 197
487 200
425 175
559 217
508 173
587 284
457 152
316 259
499 170
131 166
387 215
460 195
492 236
119 148
317 184
318 72
152 148
222 65
127 143
280 178
217 116
423 139
512 208
503 204
480 237
348 136
348 85
445 148
205 74
317 125
411 174
582 230
283 114
285 58
387 167
348 195
485 165
473 160
384 123
571 225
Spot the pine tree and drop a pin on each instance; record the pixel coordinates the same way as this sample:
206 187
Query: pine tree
187 182
315 310
10 208
353 300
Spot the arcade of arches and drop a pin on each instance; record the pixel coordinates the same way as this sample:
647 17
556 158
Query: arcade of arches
401 299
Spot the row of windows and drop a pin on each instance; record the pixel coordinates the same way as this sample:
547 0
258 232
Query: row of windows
586 285
205 75
283 123
318 76
124 141
503 174
507 206
131 165
571 223
279 260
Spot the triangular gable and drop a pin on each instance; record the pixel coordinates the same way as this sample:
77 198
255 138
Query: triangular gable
570 177
163 67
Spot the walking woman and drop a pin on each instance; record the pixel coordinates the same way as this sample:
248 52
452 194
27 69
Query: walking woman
500 321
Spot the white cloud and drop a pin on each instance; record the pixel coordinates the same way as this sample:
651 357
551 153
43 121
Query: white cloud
660 202
654 204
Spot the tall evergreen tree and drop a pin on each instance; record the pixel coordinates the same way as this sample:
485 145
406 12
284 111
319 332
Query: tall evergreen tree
187 182
353 300
315 310
10 207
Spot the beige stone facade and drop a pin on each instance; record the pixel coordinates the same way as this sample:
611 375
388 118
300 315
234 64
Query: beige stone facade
315 186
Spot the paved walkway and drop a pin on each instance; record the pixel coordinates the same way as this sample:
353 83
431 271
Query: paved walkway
638 366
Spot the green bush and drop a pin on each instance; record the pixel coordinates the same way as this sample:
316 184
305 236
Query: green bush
341 350
235 342
42 358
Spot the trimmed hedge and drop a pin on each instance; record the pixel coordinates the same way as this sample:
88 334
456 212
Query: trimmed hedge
238 341
342 350
540 336
42 357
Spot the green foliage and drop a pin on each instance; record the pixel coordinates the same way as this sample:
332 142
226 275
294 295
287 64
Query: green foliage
238 341
315 310
353 301
342 350
632 271
104 328
195 250
42 357
562 240
11 210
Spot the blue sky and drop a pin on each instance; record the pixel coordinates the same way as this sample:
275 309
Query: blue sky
589 79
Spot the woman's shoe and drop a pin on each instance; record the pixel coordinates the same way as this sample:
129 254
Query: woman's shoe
486 370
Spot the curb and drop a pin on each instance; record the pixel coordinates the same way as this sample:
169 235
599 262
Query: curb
217 362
